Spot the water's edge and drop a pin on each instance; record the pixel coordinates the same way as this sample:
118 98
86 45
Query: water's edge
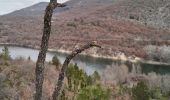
135 60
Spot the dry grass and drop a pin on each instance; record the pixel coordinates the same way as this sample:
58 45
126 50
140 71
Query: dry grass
19 79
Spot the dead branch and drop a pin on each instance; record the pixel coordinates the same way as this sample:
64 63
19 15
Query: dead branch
58 87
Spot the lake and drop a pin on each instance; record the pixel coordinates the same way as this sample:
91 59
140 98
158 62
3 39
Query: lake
89 64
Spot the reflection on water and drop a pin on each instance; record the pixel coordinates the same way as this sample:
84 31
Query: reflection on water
89 64
159 69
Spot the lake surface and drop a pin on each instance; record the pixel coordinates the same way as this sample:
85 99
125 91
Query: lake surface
89 64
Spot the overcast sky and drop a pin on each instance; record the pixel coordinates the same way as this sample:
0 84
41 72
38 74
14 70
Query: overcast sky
7 6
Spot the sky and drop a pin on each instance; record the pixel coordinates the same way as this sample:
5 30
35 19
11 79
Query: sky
7 6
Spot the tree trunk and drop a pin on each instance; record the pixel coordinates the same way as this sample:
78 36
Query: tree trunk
39 71
58 88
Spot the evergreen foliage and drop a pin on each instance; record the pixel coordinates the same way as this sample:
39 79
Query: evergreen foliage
95 92
85 86
5 53
55 61
141 91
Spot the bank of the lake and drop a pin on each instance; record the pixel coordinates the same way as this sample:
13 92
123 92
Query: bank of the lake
121 57
86 62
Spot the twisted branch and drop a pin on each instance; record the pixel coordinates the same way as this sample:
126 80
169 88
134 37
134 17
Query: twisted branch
58 88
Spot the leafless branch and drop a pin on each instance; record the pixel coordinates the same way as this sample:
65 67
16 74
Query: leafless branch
58 87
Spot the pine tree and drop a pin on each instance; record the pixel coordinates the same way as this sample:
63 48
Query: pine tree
5 53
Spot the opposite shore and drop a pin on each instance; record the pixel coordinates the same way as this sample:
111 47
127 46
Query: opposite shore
121 57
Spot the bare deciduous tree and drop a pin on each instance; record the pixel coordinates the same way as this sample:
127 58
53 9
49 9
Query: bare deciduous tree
58 88
39 71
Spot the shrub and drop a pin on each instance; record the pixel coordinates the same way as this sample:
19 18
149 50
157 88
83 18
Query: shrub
134 17
55 61
131 17
72 24
158 53
5 53
141 91
94 93
156 94
116 74
164 54
77 78
96 76
165 81
79 83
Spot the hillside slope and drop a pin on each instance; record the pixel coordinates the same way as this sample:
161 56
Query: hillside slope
85 20
149 12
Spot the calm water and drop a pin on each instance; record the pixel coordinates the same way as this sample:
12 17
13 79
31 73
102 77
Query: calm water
89 64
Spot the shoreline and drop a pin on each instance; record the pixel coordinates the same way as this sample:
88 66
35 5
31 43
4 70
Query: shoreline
122 58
